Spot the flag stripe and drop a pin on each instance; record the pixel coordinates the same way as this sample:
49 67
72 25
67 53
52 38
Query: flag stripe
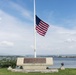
41 26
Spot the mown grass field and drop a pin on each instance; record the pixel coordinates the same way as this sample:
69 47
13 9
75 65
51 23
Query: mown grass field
61 72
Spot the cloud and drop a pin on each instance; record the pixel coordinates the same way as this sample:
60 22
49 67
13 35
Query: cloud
70 40
55 41
0 18
23 11
15 33
6 43
16 10
20 36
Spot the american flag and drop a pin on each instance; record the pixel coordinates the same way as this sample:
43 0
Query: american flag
41 26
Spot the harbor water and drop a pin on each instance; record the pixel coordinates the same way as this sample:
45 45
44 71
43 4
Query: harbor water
68 62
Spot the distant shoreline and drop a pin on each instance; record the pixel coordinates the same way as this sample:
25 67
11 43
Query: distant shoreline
54 56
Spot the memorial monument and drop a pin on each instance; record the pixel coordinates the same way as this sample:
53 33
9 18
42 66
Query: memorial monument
34 63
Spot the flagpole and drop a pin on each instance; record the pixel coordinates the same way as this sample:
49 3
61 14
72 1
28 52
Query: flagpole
34 31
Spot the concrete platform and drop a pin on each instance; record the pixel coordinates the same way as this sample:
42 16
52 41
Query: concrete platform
33 71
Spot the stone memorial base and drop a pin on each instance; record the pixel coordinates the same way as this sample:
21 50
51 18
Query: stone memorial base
34 63
62 68
41 71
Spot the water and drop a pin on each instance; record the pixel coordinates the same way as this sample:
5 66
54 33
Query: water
68 62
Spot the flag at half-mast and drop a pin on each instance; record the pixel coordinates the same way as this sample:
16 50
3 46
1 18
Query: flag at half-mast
41 26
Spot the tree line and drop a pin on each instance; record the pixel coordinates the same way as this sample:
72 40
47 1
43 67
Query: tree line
4 63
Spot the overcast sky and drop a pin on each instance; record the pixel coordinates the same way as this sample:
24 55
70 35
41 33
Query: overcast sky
17 27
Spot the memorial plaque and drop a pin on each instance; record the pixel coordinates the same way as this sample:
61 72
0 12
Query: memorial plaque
34 60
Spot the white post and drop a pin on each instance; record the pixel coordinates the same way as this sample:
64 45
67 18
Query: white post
34 31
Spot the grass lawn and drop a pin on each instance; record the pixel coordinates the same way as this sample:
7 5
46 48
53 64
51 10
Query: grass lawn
61 72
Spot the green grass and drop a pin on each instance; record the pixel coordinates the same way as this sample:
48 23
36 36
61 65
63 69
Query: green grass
61 72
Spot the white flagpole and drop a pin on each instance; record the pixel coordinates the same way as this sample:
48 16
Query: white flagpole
34 31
